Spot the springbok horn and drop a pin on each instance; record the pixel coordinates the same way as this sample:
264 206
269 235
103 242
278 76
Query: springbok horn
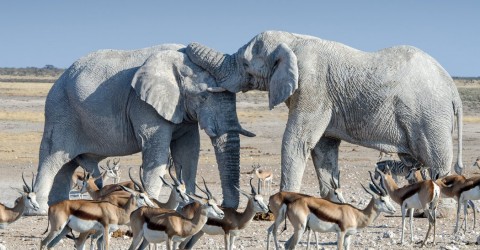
210 196
108 163
28 188
201 189
253 189
33 181
140 175
116 161
181 175
338 180
131 178
374 183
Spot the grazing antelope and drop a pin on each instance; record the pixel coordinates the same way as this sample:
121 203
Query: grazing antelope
477 162
321 215
264 178
464 191
422 195
397 168
112 172
97 193
159 225
27 200
86 215
118 198
233 222
279 201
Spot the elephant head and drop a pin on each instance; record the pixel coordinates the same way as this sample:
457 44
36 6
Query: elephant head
263 64
182 92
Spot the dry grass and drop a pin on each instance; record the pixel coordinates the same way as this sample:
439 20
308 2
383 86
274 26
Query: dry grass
25 116
19 148
24 89
471 119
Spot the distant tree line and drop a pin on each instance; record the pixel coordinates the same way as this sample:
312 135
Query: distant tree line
47 71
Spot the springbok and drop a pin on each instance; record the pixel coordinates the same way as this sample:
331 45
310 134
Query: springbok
421 195
112 172
279 201
97 193
86 215
159 225
118 198
464 191
265 178
27 200
233 222
321 215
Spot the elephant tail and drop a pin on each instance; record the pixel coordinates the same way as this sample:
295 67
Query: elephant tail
459 113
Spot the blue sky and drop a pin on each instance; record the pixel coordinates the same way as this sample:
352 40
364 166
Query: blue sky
36 33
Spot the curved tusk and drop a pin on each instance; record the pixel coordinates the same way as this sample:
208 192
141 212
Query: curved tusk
246 133
216 89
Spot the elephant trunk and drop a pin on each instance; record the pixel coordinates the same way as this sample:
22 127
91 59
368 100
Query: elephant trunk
221 66
227 152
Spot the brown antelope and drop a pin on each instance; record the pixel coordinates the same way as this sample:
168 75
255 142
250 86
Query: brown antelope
321 215
86 215
97 193
279 201
233 222
422 195
118 198
112 172
159 225
464 191
27 200
264 179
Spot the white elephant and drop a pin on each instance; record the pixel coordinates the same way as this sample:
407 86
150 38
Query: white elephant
397 99
114 103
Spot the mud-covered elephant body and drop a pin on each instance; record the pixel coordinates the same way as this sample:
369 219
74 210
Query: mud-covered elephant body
113 103
397 99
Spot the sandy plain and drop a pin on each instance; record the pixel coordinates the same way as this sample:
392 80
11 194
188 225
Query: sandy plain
21 127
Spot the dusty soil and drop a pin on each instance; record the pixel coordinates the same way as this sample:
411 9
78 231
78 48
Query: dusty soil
21 126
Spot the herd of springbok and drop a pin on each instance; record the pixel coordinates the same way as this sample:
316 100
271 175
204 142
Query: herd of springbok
185 217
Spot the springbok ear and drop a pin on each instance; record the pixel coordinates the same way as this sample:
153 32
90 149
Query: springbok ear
284 79
157 83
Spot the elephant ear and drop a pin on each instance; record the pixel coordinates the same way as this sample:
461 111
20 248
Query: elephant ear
157 83
284 80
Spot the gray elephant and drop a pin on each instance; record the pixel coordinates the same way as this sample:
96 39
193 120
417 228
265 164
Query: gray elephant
114 103
397 99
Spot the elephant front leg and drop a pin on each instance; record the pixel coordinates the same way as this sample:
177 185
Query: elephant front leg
325 160
301 135
185 152
154 162
55 168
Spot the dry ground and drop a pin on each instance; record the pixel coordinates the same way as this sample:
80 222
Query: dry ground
21 126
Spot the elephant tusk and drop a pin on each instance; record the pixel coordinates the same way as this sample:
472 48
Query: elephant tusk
216 89
246 133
